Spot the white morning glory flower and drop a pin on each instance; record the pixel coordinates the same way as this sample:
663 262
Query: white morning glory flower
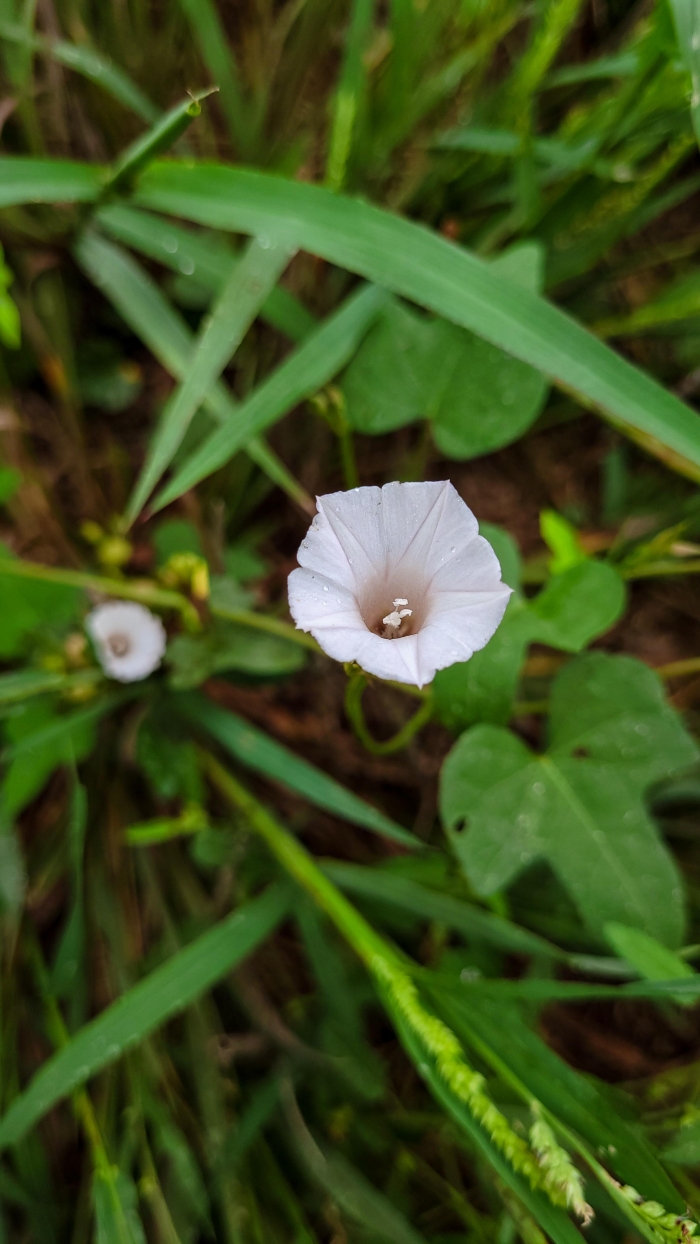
128 638
398 579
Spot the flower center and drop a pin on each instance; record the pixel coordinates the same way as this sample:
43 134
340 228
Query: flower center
119 644
396 623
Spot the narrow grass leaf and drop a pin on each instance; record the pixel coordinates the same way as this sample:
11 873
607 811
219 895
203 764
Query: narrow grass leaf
349 93
90 64
115 1201
26 180
249 283
22 684
258 751
313 364
143 1008
104 73
216 50
465 918
158 139
146 309
207 260
410 260
555 1222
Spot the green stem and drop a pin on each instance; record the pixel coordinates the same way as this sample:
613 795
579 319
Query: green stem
271 626
347 454
142 590
353 708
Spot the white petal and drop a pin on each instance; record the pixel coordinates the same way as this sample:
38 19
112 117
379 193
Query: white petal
455 632
144 630
344 540
425 526
473 567
317 603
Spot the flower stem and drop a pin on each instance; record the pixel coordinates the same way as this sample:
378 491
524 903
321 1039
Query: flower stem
142 590
353 707
347 454
271 626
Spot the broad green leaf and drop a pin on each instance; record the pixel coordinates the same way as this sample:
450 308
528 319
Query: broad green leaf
258 751
574 608
30 604
498 1026
477 397
321 356
165 992
248 285
581 804
206 259
227 646
652 960
115 1202
40 741
434 273
144 307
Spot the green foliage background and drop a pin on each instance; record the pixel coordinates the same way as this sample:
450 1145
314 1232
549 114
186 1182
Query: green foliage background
252 988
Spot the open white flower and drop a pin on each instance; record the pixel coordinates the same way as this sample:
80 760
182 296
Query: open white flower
128 638
398 579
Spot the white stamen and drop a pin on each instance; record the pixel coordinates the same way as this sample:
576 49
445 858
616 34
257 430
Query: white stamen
405 613
393 619
400 600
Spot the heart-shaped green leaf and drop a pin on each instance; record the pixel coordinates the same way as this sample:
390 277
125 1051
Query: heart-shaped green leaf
581 804
476 396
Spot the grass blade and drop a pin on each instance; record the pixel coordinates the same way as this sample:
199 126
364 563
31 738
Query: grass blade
435 273
349 92
249 284
21 684
216 50
26 180
312 365
207 259
258 751
90 64
166 131
143 1008
143 306
466 918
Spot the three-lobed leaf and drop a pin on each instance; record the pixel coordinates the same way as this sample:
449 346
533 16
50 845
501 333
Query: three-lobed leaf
580 805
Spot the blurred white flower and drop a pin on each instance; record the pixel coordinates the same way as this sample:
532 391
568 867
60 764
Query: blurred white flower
398 579
128 638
